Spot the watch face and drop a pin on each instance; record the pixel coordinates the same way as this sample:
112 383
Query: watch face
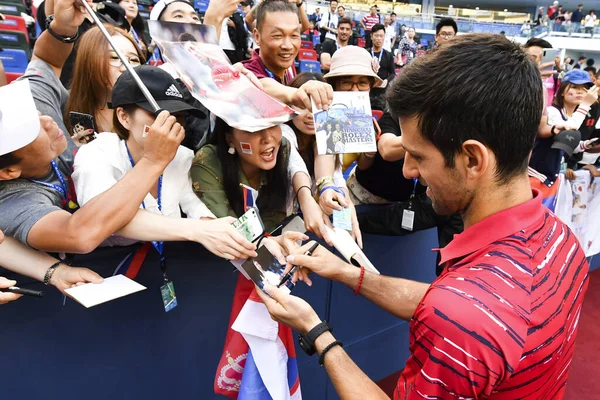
308 349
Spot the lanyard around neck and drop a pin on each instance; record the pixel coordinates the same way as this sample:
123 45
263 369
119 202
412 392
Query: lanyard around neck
62 189
380 55
159 201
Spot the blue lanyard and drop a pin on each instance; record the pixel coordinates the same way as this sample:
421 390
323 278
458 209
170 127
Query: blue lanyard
63 185
159 246
272 76
380 55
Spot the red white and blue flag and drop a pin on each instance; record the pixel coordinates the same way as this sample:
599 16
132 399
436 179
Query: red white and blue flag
259 357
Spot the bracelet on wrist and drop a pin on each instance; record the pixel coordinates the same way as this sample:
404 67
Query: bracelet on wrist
326 349
360 280
334 188
301 187
50 272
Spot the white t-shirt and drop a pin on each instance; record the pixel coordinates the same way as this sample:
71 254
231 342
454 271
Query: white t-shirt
101 163
589 21
330 20
338 175
390 32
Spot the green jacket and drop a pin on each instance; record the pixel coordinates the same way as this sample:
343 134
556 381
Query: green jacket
207 182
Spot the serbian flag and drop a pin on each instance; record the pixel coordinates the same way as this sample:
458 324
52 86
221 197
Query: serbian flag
548 188
259 358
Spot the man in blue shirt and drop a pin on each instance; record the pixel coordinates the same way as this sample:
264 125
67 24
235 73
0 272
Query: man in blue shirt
576 18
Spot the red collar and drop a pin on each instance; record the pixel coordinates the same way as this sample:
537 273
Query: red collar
493 228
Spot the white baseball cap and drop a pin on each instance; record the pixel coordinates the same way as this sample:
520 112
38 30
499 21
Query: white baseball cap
160 7
19 119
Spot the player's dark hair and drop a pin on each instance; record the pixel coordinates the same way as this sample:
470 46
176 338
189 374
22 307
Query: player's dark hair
271 6
446 22
536 42
458 103
273 195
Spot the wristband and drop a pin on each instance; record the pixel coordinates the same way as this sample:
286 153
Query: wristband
326 349
63 39
300 188
50 272
323 181
334 188
360 280
552 130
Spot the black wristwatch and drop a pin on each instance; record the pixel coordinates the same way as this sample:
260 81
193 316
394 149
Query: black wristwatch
63 39
307 342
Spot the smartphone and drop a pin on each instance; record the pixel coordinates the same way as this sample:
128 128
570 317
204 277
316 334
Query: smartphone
548 56
250 225
296 224
81 123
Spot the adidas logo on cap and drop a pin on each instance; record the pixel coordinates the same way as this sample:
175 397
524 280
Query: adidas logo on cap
174 92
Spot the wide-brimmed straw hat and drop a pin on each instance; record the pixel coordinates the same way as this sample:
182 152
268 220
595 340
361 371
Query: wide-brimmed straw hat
352 61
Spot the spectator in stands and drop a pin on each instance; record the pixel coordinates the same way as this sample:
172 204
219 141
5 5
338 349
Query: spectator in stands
341 12
367 23
138 28
182 11
480 172
330 46
97 68
37 202
394 22
329 22
407 49
570 106
324 169
277 34
590 21
240 165
539 20
552 13
390 34
316 16
234 38
576 19
445 30
99 165
383 65
592 72
581 63
310 32
535 48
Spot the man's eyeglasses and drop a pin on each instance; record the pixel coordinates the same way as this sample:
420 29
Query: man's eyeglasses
362 85
447 35
115 61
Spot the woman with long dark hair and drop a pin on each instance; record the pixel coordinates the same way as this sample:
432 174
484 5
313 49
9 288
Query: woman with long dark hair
241 169
323 169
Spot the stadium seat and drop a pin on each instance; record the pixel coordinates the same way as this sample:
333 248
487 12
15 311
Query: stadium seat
14 9
362 42
201 5
310 66
14 60
307 54
13 23
306 44
316 40
11 76
15 40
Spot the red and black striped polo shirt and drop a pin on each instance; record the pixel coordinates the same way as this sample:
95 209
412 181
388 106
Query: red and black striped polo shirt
500 321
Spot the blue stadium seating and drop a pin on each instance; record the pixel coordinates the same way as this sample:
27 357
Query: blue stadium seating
14 60
310 66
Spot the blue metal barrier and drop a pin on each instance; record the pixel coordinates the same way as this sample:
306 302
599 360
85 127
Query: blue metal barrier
131 349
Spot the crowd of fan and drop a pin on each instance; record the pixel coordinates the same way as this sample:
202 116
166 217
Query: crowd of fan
184 177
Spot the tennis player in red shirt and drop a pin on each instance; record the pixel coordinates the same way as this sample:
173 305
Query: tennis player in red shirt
500 321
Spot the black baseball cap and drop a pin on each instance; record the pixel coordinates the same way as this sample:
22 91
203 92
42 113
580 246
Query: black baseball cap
164 88
567 141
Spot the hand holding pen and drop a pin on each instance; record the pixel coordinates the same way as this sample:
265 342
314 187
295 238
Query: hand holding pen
289 275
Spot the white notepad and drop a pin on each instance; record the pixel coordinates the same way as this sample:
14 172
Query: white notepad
92 294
